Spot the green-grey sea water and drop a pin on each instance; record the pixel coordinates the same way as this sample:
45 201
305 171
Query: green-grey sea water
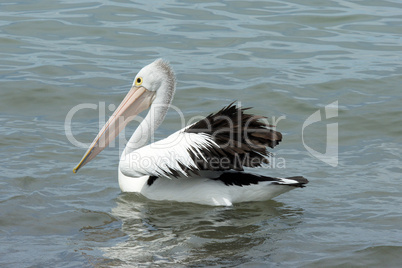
287 59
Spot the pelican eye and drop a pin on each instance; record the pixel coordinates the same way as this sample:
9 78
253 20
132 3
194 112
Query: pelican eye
138 81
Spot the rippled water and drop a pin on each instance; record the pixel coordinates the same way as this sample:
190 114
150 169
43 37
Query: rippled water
284 58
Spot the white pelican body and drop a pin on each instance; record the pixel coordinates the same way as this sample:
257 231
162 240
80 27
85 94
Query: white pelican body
201 163
201 190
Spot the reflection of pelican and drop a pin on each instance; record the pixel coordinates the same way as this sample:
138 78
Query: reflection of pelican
172 232
201 163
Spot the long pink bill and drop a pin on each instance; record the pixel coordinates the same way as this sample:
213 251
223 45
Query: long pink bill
137 100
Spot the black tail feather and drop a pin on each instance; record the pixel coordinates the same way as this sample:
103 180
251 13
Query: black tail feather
300 179
243 179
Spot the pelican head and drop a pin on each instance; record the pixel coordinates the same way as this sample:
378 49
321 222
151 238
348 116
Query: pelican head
155 83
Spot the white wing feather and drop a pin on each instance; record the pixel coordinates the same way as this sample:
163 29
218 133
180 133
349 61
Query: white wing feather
167 157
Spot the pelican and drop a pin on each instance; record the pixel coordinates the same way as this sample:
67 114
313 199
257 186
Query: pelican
202 163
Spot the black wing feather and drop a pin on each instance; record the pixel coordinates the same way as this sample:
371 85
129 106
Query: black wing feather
241 139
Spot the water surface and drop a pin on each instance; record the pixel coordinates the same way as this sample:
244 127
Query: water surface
284 58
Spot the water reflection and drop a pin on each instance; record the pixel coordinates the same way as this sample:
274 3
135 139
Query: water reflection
184 233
